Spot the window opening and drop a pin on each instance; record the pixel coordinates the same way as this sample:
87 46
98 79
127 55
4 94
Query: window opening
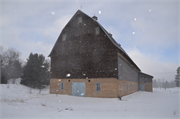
98 86
62 86
97 30
79 20
64 37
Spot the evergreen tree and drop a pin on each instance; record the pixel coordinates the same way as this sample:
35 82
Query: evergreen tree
36 72
177 77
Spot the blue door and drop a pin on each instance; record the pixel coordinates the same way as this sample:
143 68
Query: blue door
142 87
79 89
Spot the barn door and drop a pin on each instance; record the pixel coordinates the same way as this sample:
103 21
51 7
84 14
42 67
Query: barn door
142 87
79 89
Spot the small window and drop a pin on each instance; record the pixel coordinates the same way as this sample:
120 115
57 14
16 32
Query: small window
69 80
88 80
62 86
97 30
79 20
64 37
98 87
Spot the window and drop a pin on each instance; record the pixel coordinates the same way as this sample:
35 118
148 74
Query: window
79 20
97 30
64 37
130 86
62 86
98 87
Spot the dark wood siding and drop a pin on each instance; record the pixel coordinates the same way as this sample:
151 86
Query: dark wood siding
83 54
143 78
126 71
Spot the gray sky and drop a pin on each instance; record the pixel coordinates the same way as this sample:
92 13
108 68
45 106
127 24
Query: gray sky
147 31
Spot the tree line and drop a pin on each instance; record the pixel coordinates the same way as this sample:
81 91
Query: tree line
165 84
35 72
160 83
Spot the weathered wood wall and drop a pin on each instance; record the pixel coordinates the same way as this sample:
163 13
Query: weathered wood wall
126 71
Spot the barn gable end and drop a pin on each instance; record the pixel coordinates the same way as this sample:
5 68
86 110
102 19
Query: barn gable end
88 49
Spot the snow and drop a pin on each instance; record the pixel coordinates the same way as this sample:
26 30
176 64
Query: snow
68 75
53 13
16 102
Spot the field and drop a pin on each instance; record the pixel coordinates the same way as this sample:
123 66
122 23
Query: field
19 102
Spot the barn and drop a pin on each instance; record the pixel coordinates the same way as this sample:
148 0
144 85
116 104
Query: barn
86 61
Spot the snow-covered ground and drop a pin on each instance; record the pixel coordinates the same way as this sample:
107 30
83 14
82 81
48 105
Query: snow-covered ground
16 102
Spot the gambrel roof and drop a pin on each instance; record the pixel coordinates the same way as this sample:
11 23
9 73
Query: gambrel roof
120 49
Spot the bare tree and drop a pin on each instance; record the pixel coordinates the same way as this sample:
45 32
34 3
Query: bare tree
11 66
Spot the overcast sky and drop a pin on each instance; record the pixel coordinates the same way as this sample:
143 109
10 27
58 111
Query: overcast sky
147 31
